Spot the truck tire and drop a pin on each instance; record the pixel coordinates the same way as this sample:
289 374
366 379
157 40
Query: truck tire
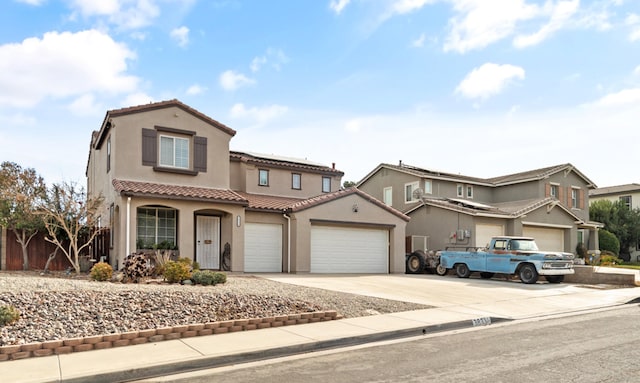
441 270
554 278
462 270
486 275
528 274
415 263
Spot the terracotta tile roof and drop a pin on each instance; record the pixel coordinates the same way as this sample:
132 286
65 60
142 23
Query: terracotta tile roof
283 162
178 192
268 202
324 198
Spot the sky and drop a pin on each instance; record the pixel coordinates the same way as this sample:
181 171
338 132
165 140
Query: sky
481 88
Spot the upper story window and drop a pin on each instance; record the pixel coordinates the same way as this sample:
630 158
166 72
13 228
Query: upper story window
575 199
174 152
326 184
459 190
626 200
410 191
428 188
387 196
108 154
469 191
296 181
554 191
263 177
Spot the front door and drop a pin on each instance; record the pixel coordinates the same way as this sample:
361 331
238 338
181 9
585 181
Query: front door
208 242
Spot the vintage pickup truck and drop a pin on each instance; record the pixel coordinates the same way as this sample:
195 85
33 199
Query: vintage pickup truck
508 255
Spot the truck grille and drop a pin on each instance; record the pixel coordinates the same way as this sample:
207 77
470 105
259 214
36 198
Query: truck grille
557 265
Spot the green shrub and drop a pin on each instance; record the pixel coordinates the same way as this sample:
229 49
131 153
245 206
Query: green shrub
608 241
203 277
101 271
219 278
177 271
195 265
8 315
607 259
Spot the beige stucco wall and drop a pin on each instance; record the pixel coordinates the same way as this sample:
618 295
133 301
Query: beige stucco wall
340 212
280 181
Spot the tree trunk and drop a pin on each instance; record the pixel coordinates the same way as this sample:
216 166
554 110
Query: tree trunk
23 239
51 258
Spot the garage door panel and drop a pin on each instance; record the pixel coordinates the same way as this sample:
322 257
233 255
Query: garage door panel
349 250
547 239
484 232
263 248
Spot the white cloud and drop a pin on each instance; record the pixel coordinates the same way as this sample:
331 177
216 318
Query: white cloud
338 5
63 65
196 89
488 80
127 14
561 13
85 105
181 36
231 80
419 42
637 71
258 115
275 57
624 97
138 98
402 7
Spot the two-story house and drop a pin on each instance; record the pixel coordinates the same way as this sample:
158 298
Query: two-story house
549 204
629 195
168 177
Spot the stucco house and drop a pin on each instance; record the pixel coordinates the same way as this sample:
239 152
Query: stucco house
629 194
550 204
168 177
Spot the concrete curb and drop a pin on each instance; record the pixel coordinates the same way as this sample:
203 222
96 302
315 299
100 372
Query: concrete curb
278 352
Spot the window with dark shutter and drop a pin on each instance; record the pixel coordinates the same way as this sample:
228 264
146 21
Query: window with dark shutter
200 154
149 147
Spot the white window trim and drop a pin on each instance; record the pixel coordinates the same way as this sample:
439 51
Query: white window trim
414 185
557 186
467 189
260 171
173 156
384 195
460 190
293 184
327 179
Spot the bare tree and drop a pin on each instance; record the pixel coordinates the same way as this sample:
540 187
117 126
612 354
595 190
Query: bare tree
69 217
21 191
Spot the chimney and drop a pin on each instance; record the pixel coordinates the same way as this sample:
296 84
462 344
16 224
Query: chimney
400 163
333 165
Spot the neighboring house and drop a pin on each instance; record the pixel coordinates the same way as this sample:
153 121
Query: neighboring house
629 194
549 204
168 176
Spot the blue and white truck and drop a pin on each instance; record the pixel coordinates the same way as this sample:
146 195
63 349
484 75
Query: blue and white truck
509 255
504 255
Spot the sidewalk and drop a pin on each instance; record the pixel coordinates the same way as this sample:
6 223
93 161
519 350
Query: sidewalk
500 301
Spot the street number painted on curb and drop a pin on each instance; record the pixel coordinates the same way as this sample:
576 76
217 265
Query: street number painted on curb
481 321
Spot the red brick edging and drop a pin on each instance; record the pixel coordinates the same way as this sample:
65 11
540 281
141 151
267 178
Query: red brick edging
99 342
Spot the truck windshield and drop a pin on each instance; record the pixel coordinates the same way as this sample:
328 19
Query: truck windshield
523 244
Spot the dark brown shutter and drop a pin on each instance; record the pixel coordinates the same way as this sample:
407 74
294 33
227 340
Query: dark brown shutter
149 147
570 196
547 190
581 199
200 154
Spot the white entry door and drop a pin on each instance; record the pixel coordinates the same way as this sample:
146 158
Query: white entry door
208 242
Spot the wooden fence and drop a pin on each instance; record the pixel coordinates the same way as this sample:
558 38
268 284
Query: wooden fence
39 250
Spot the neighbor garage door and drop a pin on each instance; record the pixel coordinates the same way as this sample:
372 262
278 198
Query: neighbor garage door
262 248
485 232
547 239
349 250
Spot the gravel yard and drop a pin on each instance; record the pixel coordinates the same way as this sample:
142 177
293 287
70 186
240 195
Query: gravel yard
57 307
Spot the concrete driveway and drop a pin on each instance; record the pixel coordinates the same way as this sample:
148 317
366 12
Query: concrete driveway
498 298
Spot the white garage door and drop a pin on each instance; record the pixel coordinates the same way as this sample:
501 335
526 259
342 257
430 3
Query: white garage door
485 232
262 248
349 250
547 239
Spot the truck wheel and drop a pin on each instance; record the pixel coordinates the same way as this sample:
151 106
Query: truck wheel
554 278
486 275
441 270
415 264
528 274
462 270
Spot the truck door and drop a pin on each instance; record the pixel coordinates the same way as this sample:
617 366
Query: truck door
499 258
